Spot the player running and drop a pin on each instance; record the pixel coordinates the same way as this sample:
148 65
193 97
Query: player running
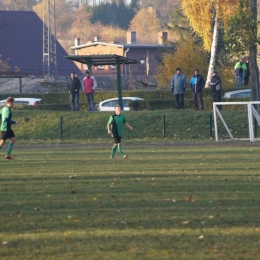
7 132
114 126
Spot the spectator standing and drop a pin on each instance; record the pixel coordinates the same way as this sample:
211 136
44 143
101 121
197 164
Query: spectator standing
247 75
215 84
178 86
73 88
240 72
89 84
197 83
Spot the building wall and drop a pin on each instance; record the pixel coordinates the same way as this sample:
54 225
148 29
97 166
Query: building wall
140 54
99 50
134 53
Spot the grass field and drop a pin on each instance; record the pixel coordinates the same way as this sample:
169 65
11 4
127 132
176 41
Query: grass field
184 124
178 201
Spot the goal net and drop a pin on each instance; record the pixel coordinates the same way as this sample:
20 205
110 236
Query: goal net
251 114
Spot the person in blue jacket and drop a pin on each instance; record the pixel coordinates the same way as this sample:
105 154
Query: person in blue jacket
197 83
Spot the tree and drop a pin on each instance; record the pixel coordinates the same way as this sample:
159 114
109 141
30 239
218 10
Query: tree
3 65
162 9
17 4
64 21
241 37
115 13
188 56
205 18
147 25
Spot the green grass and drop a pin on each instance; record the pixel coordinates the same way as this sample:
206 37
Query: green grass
163 202
182 125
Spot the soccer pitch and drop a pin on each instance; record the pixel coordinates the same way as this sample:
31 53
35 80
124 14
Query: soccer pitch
177 201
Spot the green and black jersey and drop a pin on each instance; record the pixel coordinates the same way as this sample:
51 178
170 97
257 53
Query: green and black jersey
6 115
120 121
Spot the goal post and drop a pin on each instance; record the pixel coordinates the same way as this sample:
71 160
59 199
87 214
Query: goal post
251 112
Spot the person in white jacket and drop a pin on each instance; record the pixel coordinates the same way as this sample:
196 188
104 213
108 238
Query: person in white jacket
89 85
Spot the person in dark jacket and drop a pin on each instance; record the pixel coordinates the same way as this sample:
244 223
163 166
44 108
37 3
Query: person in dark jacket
197 83
215 84
73 88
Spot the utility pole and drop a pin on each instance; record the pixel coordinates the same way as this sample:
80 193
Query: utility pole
49 38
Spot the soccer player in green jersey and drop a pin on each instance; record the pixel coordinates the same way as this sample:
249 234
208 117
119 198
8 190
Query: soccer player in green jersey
115 126
7 132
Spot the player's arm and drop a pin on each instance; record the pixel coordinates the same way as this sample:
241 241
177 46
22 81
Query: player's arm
108 129
7 120
109 124
128 126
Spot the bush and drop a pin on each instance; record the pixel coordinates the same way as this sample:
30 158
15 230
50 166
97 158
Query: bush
159 104
64 98
51 107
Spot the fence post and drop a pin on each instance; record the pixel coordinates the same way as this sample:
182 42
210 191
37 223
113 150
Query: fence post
20 81
210 125
256 124
164 126
61 127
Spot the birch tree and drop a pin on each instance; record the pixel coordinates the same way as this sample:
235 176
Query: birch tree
205 18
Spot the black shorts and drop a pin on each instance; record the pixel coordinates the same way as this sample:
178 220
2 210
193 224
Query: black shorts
117 139
7 134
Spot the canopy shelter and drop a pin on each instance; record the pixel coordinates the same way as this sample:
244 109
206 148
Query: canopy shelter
106 59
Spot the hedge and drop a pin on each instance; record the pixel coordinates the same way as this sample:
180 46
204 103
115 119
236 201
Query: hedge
159 104
151 104
63 98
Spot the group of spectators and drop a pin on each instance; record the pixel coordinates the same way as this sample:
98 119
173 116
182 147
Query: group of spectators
88 86
197 83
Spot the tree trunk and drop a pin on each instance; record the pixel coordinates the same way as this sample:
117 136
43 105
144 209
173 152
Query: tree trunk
254 72
214 45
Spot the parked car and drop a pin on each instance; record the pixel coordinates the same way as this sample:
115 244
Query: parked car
242 93
23 102
109 104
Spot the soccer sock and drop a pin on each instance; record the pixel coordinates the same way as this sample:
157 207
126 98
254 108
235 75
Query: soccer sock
9 149
113 150
120 150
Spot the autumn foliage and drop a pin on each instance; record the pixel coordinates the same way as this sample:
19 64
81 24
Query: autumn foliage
200 15
187 56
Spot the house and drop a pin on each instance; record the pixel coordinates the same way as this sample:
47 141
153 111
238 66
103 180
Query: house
21 44
146 53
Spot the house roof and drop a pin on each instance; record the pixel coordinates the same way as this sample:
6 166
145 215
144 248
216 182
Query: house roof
105 59
21 44
116 45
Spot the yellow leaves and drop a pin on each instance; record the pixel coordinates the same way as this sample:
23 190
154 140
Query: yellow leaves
146 24
201 15
77 220
187 56
190 199
201 237
186 222
94 199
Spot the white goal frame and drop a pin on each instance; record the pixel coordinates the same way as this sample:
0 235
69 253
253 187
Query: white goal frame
251 112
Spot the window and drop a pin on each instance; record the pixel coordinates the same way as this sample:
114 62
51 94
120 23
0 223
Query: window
21 103
126 102
100 67
112 66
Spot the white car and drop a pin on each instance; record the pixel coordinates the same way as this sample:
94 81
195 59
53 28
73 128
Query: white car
109 104
23 102
242 93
